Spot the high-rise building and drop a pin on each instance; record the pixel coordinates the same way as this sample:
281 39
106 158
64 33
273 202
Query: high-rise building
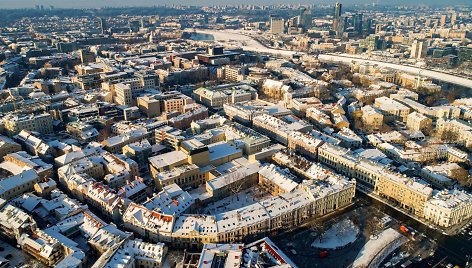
367 26
86 56
427 22
378 28
337 15
453 18
418 49
443 21
358 23
102 23
341 24
277 25
305 18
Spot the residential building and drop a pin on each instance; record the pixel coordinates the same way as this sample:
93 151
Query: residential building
277 25
418 122
448 208
14 123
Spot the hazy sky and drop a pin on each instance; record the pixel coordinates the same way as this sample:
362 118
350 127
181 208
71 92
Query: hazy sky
103 3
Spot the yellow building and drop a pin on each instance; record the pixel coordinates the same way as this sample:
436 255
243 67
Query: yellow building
408 193
41 123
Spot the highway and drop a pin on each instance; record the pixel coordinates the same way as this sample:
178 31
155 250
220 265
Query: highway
456 80
248 43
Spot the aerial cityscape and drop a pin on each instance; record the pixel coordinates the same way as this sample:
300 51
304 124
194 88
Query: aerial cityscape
266 134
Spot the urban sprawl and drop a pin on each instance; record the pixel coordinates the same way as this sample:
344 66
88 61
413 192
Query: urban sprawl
236 136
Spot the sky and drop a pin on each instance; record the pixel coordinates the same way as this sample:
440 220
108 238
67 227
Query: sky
118 3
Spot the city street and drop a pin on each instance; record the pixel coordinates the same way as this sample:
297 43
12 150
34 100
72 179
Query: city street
449 249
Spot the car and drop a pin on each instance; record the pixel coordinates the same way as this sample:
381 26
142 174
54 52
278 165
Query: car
470 233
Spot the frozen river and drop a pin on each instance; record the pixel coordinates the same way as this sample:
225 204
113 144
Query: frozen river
248 43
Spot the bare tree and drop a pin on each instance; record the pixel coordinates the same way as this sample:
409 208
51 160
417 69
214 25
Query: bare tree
235 182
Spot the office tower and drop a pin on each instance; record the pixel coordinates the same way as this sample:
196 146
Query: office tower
337 15
358 23
305 18
418 49
443 21
86 56
277 25
341 26
338 10
367 26
102 24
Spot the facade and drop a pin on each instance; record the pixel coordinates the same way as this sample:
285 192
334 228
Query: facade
124 94
372 118
15 185
220 95
15 222
149 106
41 123
391 109
455 131
448 208
42 247
8 146
277 25
418 49
408 193
185 176
304 144
276 181
418 122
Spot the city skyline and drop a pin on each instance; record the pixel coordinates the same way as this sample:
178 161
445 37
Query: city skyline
12 4
269 134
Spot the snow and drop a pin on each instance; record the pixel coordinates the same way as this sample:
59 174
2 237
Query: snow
339 235
246 42
374 247
413 70
250 44
242 199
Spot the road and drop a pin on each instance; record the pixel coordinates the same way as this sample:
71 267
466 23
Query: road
248 43
457 249
456 80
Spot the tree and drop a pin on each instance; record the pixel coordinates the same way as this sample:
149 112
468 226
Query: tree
235 182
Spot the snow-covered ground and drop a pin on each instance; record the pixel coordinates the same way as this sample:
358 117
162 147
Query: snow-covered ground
244 198
410 69
339 235
375 250
246 42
